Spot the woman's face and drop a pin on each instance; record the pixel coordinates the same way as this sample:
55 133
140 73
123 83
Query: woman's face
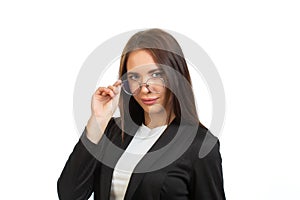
142 68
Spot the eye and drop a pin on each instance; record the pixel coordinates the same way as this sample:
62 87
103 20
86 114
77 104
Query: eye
133 77
157 74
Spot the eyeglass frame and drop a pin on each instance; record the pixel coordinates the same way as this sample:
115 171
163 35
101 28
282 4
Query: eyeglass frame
141 85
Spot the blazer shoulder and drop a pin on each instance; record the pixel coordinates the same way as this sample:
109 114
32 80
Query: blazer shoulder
208 145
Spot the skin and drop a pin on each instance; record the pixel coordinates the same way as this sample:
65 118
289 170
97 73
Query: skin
142 64
105 99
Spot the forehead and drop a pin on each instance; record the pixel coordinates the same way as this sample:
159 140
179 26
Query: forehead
140 61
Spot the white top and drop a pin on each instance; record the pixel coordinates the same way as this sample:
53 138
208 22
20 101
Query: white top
142 141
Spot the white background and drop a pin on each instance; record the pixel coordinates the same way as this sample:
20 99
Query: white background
254 44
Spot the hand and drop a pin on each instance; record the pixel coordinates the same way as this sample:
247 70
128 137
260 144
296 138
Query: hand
104 103
105 100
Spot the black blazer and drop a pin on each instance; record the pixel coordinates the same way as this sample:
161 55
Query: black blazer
177 173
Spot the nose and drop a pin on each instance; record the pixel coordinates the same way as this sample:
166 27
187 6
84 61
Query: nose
144 88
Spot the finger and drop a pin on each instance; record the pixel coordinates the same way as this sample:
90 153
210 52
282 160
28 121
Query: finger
100 90
117 83
115 89
103 91
109 92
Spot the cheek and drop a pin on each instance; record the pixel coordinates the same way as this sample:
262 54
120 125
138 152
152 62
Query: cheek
136 98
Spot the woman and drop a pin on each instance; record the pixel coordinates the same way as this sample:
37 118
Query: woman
158 133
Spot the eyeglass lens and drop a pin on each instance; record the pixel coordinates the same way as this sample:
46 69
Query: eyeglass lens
153 84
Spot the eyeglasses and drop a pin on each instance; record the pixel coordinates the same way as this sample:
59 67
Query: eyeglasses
132 87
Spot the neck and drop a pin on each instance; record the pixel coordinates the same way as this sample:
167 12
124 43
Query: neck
153 120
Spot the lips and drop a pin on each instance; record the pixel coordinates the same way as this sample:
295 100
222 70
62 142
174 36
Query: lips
149 101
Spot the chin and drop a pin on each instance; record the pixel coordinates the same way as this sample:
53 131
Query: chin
154 109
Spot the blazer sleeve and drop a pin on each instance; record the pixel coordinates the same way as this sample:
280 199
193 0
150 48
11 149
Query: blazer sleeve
207 176
77 177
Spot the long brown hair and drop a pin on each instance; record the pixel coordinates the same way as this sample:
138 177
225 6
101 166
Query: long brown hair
165 51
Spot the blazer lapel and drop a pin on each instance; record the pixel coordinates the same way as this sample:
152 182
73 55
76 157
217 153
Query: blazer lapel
138 176
106 172
178 138
105 181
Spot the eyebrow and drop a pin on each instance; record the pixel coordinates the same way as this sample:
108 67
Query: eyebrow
149 72
154 70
